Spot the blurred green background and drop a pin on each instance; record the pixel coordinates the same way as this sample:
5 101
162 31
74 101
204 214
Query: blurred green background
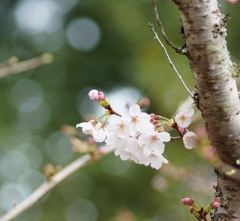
103 44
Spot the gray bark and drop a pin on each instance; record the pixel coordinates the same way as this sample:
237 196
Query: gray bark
214 74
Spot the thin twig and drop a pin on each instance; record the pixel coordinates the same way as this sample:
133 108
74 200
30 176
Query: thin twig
177 49
169 59
47 186
12 67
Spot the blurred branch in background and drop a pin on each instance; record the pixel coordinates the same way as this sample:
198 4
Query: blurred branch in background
50 184
12 66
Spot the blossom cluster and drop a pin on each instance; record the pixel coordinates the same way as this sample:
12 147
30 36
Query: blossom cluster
137 136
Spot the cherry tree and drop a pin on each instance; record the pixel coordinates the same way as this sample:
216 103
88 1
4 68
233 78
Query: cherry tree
141 137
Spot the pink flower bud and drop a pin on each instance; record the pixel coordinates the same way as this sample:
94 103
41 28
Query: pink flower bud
232 1
187 201
96 95
191 209
215 205
144 102
101 96
91 141
93 94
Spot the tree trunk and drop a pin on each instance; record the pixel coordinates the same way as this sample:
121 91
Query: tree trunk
217 96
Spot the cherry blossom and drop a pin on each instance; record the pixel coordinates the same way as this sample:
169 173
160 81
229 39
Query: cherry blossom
183 118
118 126
128 151
138 121
137 136
190 140
154 160
96 129
87 127
154 142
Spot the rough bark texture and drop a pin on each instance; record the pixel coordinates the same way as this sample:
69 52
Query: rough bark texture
217 95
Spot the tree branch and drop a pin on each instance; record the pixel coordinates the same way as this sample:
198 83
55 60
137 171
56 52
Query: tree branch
169 59
178 50
214 75
13 67
49 185
212 69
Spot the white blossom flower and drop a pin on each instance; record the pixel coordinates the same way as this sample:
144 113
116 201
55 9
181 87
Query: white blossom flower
118 126
190 140
138 121
135 139
183 118
99 134
126 154
154 160
131 150
154 142
97 130
87 127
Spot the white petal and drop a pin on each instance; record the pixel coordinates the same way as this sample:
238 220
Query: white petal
189 112
164 160
134 110
185 123
164 136
87 127
99 135
124 156
158 161
183 118
190 140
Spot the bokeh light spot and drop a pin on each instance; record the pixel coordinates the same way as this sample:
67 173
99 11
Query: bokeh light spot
81 210
13 164
38 118
11 194
83 34
34 155
36 16
30 104
114 166
58 148
25 92
33 179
